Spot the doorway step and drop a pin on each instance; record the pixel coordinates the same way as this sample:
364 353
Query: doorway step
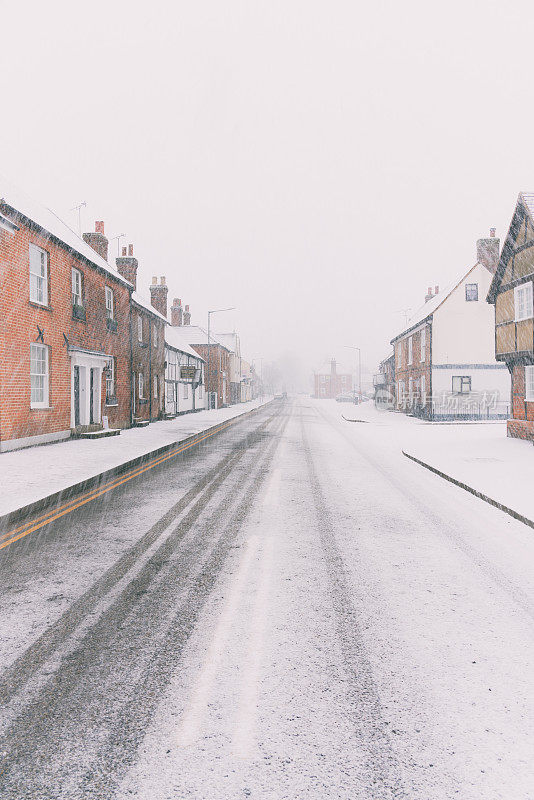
141 423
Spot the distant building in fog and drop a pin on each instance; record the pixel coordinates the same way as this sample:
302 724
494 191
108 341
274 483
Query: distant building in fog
330 384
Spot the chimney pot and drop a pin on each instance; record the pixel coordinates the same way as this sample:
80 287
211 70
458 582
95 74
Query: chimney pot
124 251
492 233
162 280
436 289
130 249
97 240
154 280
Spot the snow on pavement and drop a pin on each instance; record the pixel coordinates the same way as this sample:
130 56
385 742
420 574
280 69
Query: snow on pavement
371 638
34 473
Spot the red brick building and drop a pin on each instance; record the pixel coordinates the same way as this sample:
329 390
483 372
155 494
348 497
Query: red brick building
148 343
330 384
64 329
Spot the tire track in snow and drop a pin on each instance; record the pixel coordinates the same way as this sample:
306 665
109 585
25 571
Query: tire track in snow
385 774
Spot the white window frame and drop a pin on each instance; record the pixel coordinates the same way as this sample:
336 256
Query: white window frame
410 389
423 390
410 350
38 275
155 336
471 299
423 344
77 283
110 310
139 328
141 385
523 301
110 379
155 387
529 383
44 389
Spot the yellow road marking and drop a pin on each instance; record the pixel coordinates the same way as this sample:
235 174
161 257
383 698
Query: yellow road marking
72 505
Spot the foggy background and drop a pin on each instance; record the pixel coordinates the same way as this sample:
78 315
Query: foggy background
316 165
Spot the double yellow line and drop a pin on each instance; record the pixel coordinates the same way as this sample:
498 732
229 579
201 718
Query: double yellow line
45 519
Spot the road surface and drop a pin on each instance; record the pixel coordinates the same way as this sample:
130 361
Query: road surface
293 610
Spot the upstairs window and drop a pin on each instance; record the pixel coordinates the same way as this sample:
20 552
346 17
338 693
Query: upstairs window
461 384
155 336
39 375
156 387
410 349
38 275
471 292
529 383
110 312
523 301
76 287
139 329
423 344
141 381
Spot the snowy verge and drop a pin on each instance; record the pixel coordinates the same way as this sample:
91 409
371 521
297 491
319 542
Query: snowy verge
32 478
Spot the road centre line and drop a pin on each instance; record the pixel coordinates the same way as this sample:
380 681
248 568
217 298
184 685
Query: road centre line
45 519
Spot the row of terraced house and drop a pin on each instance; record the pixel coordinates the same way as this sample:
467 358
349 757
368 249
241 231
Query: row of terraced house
83 352
468 352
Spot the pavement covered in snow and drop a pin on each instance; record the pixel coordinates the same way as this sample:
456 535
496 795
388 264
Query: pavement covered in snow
297 612
33 473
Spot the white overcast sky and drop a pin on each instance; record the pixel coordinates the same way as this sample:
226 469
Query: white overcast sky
315 164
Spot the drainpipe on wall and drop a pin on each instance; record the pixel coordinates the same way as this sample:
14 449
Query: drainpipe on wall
132 381
149 370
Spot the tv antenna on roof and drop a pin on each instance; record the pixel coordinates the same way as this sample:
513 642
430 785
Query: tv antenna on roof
405 312
118 238
78 208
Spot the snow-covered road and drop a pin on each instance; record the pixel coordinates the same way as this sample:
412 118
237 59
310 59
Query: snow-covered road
302 613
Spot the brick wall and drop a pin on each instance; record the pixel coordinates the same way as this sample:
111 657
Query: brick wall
417 369
149 360
22 319
219 362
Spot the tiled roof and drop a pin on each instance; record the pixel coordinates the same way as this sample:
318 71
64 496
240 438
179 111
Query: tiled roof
175 339
50 222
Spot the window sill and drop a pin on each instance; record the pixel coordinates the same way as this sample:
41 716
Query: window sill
41 408
111 405
43 307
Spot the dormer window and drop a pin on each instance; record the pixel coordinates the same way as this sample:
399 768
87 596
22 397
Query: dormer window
471 292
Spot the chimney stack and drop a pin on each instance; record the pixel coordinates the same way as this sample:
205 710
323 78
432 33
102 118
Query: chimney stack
187 316
127 265
98 240
436 290
158 295
488 252
176 313
429 294
333 366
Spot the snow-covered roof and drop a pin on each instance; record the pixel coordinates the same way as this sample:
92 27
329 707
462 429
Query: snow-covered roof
196 334
52 224
175 339
428 309
228 340
147 305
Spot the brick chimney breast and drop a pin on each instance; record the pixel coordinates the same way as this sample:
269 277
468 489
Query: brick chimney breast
158 295
127 265
488 252
97 240
176 313
187 316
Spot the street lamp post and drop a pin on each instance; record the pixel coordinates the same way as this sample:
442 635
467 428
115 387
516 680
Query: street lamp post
351 347
215 311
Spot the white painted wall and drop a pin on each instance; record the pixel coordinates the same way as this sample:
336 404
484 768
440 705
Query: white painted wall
483 381
464 332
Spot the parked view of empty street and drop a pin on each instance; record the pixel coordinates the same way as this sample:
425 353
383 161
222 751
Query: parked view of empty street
266 400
